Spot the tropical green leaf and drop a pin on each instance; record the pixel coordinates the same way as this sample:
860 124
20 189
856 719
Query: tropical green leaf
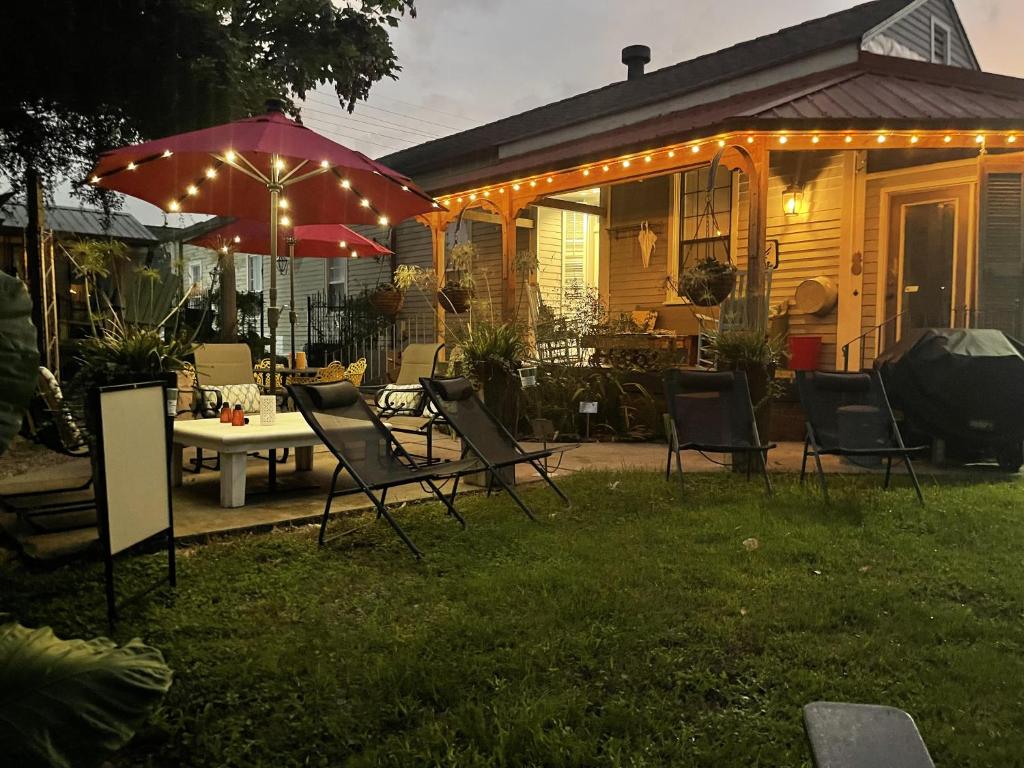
19 357
72 702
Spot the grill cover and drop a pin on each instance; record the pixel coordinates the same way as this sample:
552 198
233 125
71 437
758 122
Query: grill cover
958 384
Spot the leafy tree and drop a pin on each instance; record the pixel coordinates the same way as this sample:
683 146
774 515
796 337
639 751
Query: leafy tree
81 77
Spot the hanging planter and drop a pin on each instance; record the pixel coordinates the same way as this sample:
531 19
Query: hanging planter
387 300
454 299
708 283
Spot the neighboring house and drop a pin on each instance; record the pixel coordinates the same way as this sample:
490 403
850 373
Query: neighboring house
65 316
867 143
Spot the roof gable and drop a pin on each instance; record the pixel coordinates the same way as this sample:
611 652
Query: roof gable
790 44
910 32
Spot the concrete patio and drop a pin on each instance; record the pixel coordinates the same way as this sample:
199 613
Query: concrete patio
299 498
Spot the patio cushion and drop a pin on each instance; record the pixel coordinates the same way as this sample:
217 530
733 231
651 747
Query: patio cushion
842 382
53 396
246 395
339 394
404 398
455 389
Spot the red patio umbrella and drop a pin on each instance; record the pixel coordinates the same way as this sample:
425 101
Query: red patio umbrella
268 168
306 241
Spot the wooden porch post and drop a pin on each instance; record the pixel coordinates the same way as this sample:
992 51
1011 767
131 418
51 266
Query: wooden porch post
438 227
508 264
757 235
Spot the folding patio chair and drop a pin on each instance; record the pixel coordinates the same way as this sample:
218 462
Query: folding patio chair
711 412
485 437
368 452
863 736
848 414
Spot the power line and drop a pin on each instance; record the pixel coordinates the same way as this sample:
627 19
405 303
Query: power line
402 114
382 121
344 118
472 120
328 120
326 128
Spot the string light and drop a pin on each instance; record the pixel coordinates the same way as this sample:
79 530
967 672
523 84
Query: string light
405 188
783 137
324 164
343 244
131 166
192 189
285 221
282 203
167 153
211 173
366 203
229 156
174 206
501 191
95 179
434 205
279 164
472 197
487 193
238 239
354 254
383 221
345 184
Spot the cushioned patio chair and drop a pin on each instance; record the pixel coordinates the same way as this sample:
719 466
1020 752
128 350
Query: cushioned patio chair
848 414
367 451
405 399
224 373
51 423
486 438
711 412
863 736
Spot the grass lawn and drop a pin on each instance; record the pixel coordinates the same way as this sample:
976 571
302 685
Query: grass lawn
636 629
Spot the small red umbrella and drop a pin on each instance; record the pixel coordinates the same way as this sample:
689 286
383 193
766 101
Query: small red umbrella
307 241
268 168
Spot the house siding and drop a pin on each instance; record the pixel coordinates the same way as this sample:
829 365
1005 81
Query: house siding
631 285
809 243
915 32
549 257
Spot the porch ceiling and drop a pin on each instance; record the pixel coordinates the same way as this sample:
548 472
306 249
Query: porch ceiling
877 94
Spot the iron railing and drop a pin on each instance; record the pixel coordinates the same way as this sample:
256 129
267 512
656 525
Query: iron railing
347 328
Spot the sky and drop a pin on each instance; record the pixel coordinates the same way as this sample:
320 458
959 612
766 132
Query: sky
468 62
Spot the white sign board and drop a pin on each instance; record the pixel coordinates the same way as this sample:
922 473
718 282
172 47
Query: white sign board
588 407
135 464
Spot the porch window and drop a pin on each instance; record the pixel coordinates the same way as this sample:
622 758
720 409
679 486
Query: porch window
336 278
195 273
254 273
702 235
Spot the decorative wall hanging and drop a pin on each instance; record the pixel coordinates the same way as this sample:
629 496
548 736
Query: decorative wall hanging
647 240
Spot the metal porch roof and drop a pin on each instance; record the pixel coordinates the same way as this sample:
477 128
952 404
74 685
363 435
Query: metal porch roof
80 221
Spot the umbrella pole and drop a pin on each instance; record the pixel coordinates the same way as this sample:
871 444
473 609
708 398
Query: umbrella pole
274 311
291 288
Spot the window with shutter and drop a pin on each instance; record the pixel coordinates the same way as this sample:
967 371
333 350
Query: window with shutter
1001 263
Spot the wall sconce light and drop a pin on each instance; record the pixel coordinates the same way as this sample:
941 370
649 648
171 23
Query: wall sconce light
793 200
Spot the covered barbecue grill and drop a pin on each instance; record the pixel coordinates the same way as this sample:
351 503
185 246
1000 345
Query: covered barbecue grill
964 386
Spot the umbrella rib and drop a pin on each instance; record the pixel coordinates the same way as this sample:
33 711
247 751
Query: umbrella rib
284 180
288 182
254 173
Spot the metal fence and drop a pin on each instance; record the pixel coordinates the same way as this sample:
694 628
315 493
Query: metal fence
203 307
347 328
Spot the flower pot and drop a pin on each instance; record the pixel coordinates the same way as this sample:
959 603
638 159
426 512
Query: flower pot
387 302
454 299
708 290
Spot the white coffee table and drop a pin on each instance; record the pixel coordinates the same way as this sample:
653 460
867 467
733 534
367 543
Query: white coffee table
234 444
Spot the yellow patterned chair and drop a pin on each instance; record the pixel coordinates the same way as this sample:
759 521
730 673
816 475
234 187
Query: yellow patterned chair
335 371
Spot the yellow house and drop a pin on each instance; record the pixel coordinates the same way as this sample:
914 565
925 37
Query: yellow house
865 149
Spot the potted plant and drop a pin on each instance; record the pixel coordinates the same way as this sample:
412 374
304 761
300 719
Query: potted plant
758 356
491 354
389 297
457 292
708 282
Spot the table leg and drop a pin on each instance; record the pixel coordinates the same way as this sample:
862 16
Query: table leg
304 458
232 479
177 459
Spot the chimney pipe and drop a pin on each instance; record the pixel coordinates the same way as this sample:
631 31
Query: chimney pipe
636 57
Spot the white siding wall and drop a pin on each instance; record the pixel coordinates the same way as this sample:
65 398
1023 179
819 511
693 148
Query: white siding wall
549 257
915 32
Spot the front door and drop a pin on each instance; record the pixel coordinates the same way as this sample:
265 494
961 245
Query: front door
927 277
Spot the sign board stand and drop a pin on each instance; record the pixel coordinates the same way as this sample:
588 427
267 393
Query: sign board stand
132 469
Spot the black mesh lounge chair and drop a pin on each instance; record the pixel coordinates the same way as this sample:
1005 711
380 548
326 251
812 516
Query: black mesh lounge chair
366 450
863 736
712 413
484 437
848 414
